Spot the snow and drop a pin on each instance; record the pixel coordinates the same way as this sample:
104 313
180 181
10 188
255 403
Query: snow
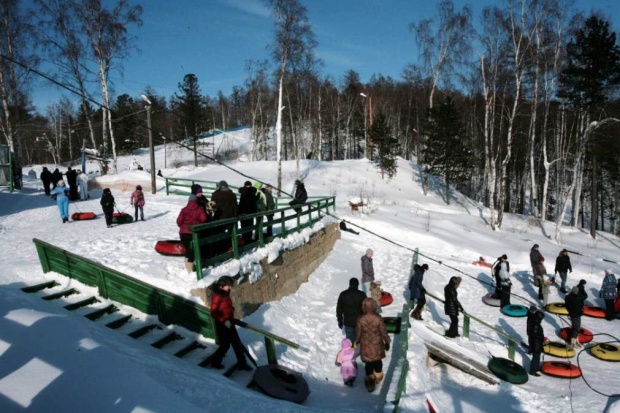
55 360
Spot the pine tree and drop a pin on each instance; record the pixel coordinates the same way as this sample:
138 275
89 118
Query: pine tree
190 108
387 145
446 151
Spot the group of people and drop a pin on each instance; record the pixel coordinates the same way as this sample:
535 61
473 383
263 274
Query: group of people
365 332
76 183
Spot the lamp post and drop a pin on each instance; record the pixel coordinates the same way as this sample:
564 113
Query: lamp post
369 123
151 148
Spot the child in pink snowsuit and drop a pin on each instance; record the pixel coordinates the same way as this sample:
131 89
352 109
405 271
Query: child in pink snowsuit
346 361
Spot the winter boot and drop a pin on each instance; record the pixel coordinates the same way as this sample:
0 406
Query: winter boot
378 377
369 381
416 313
574 342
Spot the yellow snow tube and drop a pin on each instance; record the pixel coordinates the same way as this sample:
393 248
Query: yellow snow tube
557 308
606 351
557 349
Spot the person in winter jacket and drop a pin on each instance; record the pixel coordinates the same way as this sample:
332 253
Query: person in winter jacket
247 206
609 292
270 205
56 177
222 311
301 195
574 305
137 200
226 208
535 338
107 204
61 192
349 308
538 269
193 214
375 293
371 335
563 267
368 270
417 292
46 178
452 306
502 277
346 361
72 181
83 185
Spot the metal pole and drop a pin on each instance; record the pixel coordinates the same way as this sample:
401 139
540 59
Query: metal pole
151 149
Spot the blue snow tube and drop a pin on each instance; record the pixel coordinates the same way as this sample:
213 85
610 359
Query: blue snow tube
514 310
508 370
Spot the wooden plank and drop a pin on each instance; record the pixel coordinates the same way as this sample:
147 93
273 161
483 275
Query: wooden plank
39 287
194 345
61 294
80 304
167 340
143 330
463 363
119 323
97 314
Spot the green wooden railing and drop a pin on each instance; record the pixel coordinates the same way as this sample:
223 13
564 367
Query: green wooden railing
169 308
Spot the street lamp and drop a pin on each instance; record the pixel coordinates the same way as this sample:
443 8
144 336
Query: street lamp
369 122
151 149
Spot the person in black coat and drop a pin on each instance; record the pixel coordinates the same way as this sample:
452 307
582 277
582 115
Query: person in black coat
248 204
574 305
349 308
72 181
452 306
535 337
301 195
563 267
107 204
56 177
46 178
417 292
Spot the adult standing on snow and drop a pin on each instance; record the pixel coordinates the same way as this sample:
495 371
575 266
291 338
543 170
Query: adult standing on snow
563 267
56 177
222 311
226 207
535 338
368 271
270 206
538 269
46 178
83 184
609 292
247 205
107 204
505 285
417 292
193 214
452 306
371 335
72 181
349 308
574 305
301 195
62 200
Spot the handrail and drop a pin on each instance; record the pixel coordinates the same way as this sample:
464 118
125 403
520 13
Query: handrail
266 334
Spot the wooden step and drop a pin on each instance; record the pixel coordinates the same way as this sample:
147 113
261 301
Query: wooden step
143 330
119 323
97 314
80 304
167 340
194 345
61 294
39 287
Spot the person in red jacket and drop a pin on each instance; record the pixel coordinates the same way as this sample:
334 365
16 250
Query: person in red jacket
222 311
193 213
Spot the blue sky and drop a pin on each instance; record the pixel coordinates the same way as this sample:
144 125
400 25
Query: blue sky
213 39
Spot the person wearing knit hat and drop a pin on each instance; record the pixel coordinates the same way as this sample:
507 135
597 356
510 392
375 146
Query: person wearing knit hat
563 267
574 305
137 200
196 189
609 292
368 271
535 339
417 292
538 269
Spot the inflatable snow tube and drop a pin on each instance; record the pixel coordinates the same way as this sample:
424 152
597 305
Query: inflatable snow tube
489 300
617 305
482 263
514 310
281 383
557 308
557 349
584 336
170 247
508 370
82 216
561 369
121 218
392 324
593 311
386 299
606 351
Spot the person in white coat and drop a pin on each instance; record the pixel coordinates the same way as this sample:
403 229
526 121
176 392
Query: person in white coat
83 185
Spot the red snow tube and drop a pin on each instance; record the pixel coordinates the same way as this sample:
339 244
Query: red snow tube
81 216
617 305
592 311
386 299
170 247
562 369
584 336
121 218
